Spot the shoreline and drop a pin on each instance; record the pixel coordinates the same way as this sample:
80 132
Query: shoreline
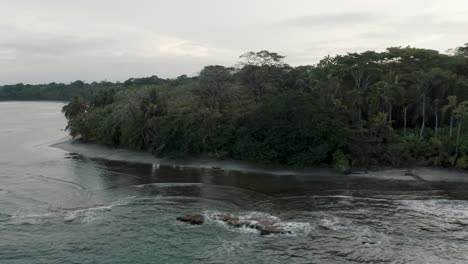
98 151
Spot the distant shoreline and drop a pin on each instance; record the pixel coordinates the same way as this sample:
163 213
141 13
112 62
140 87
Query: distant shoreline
98 151
32 100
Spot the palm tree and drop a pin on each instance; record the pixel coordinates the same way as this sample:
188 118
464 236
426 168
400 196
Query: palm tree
422 84
436 113
452 104
460 112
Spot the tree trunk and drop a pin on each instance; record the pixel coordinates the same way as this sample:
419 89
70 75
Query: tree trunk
451 124
359 112
258 93
458 135
390 114
404 118
423 117
436 124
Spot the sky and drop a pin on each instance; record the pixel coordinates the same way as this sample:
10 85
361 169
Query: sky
94 40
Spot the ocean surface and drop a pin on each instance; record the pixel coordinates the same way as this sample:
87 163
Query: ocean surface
62 207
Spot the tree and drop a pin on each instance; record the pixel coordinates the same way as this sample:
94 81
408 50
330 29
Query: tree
262 58
421 82
452 104
76 106
372 108
462 51
359 71
460 113
258 68
213 86
436 113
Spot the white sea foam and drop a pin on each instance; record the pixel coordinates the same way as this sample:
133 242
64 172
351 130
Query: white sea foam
87 215
331 223
446 209
90 214
82 214
29 219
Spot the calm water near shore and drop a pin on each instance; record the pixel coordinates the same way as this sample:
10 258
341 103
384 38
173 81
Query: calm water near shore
58 206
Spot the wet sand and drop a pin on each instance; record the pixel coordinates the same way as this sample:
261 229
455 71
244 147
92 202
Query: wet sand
98 151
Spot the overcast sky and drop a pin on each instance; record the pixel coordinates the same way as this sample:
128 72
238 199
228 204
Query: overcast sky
93 40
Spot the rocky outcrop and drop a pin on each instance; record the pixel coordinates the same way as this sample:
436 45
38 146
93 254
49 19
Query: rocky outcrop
265 226
192 219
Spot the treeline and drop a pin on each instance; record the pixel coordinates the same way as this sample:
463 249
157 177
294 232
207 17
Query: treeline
398 107
52 91
65 92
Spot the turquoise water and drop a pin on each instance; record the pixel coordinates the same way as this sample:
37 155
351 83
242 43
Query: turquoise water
60 207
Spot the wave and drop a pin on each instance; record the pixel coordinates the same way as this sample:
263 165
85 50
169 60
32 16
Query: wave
449 210
67 215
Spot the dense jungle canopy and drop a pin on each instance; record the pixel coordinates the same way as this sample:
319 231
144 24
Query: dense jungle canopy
398 107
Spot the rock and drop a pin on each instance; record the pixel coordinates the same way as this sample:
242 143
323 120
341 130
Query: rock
192 219
265 226
271 230
229 218
69 219
268 228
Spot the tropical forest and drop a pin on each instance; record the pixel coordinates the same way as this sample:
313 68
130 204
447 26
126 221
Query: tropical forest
400 107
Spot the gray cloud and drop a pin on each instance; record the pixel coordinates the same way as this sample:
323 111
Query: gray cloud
54 45
55 40
329 20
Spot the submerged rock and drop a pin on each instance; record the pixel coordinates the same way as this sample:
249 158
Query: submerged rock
192 219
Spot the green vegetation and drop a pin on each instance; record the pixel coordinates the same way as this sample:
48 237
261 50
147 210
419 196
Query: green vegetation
397 107
52 91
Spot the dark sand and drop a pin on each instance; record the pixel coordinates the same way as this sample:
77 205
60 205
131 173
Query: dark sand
97 151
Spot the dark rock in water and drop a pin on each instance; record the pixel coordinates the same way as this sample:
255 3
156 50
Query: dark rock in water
192 219
270 230
265 226
228 218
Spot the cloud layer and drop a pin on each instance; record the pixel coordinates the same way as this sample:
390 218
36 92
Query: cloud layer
52 40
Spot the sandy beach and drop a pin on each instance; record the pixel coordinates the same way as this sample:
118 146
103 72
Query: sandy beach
98 151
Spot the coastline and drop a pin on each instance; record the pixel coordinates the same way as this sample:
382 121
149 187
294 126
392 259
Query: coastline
98 151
